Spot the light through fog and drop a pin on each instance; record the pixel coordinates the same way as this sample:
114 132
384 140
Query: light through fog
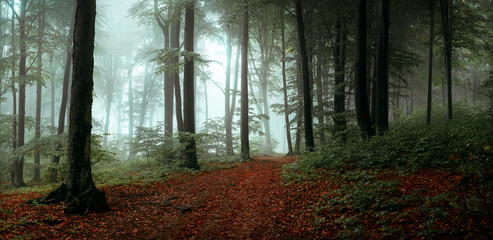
120 35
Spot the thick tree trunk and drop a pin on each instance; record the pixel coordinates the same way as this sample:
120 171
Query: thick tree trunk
18 176
63 104
382 107
190 151
285 87
446 10
360 89
39 85
244 128
79 191
307 100
430 62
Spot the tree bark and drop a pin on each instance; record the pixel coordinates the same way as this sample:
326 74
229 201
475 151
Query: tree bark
244 127
39 85
227 97
285 87
18 177
79 191
168 81
131 152
382 107
307 100
63 104
430 62
340 86
360 89
190 151
446 10
175 43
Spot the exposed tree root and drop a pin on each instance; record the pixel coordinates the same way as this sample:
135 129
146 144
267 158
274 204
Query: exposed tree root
91 200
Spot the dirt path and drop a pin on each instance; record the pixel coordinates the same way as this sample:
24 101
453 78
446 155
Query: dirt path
246 201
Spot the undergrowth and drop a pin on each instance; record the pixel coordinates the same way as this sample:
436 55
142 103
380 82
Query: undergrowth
458 151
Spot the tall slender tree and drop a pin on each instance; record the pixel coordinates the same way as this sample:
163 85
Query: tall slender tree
446 13
18 171
164 25
190 151
39 86
307 99
65 89
285 86
430 61
244 129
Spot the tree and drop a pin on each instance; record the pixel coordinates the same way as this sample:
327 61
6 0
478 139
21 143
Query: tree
190 151
339 52
168 81
39 85
307 100
18 171
430 61
284 85
78 190
360 89
175 44
446 13
382 67
65 89
244 131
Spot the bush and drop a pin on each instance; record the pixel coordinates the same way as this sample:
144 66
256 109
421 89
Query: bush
409 143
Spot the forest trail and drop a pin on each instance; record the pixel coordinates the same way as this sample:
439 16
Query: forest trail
241 201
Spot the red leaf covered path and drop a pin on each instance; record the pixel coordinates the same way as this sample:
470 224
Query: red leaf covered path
248 200
243 201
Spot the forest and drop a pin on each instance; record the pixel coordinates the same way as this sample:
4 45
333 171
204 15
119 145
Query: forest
246 119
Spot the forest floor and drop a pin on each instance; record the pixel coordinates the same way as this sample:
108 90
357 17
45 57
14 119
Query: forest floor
248 200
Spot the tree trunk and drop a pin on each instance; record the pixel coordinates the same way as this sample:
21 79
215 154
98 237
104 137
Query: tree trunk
190 151
79 191
227 97
307 100
39 85
340 86
446 10
382 107
175 43
63 105
430 62
18 178
244 128
14 95
52 95
299 112
131 152
168 81
285 87
145 95
360 89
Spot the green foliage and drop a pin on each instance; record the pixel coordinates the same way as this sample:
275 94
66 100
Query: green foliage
409 143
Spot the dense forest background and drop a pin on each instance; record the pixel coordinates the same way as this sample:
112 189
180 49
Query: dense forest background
416 55
384 95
